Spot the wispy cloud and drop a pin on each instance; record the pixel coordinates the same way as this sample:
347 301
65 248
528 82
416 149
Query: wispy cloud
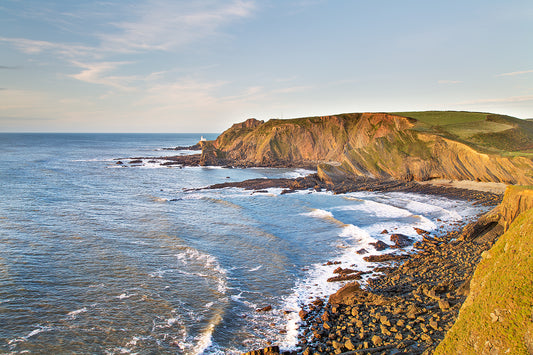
516 73
97 73
165 25
8 67
449 82
67 50
186 93
512 99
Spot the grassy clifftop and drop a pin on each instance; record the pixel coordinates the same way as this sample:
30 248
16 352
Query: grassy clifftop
497 316
485 132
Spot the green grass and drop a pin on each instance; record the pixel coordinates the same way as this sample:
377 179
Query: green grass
502 285
485 132
444 118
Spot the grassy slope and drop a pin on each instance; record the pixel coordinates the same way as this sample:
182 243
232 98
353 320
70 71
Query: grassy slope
500 311
485 132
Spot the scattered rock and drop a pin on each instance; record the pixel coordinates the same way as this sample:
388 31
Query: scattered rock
379 245
376 339
264 309
420 231
400 240
444 305
349 345
384 257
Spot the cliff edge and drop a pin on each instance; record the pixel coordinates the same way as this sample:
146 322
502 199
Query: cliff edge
497 316
404 146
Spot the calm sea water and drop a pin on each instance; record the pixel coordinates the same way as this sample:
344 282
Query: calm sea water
98 258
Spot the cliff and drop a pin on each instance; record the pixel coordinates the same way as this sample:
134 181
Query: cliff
497 316
404 146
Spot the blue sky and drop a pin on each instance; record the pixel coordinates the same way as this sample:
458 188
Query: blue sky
199 66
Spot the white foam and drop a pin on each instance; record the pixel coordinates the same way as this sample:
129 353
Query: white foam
256 268
75 313
171 321
357 234
125 295
206 262
133 341
378 209
34 332
158 199
318 213
237 297
298 173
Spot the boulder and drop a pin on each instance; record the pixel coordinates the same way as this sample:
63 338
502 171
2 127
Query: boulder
400 240
379 245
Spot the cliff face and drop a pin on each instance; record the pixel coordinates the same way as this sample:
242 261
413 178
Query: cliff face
497 316
363 144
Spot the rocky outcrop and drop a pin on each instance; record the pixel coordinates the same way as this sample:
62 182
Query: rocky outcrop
517 199
375 145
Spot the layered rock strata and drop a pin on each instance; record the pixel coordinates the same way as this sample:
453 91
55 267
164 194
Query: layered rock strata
376 145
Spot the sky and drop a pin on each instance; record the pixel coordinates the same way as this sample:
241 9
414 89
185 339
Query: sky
200 66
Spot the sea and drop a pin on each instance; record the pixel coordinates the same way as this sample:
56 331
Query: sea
102 258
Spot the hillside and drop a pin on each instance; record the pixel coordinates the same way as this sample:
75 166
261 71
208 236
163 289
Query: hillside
404 146
496 317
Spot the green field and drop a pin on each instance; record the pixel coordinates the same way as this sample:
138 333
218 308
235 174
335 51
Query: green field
484 132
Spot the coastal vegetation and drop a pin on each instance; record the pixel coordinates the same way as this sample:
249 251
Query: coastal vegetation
497 316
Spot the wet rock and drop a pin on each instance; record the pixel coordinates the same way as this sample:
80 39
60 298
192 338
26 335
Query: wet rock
362 251
352 293
271 350
379 245
400 240
384 257
344 278
264 309
420 231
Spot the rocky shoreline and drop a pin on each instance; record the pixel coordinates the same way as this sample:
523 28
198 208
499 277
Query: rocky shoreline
413 302
411 305
415 297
